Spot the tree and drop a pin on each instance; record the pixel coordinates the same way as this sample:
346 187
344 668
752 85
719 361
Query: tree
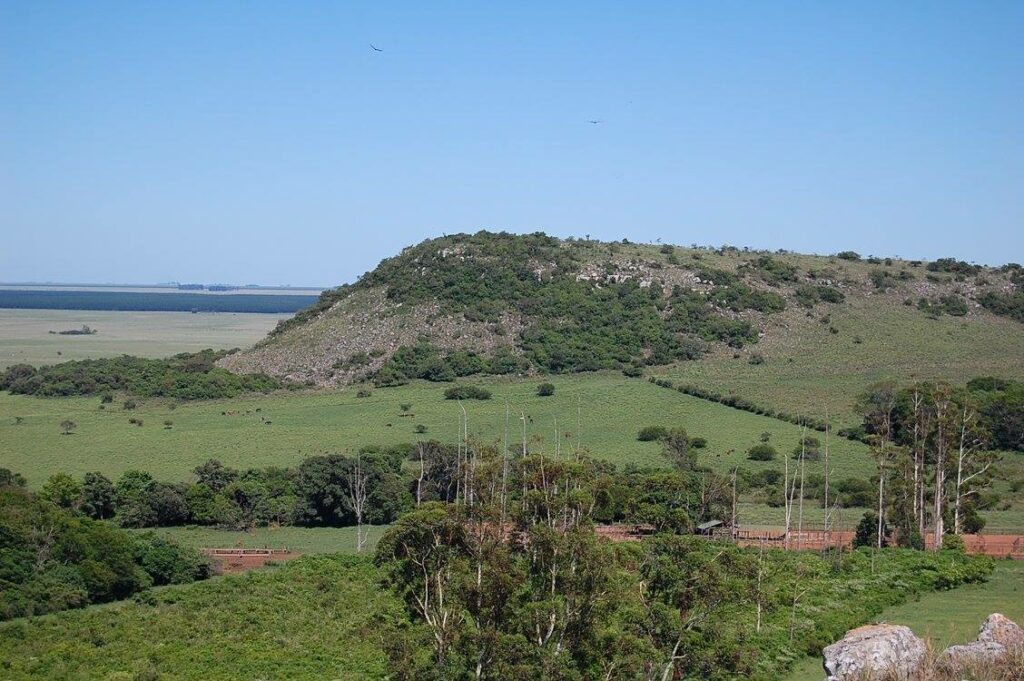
545 389
98 496
357 482
67 426
63 490
215 475
972 461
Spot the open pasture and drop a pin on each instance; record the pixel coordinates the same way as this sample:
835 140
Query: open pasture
603 411
807 368
25 336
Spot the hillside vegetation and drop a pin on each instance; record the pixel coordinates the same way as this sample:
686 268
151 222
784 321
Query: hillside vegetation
727 319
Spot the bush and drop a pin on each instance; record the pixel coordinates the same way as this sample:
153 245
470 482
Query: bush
762 452
545 389
698 442
467 392
652 433
363 392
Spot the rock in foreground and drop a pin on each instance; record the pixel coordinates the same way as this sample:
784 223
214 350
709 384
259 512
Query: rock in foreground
874 650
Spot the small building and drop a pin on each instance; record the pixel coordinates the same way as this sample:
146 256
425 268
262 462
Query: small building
708 528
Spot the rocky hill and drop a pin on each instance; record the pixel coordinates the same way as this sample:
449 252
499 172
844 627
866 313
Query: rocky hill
501 303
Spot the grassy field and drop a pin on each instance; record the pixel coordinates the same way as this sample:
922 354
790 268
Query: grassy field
25 334
611 410
305 540
950 617
313 618
808 369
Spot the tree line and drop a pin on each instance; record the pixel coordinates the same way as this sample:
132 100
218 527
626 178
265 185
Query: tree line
53 559
934 446
187 376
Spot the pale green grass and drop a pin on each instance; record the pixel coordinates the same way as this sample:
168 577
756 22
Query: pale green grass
611 409
304 540
25 337
950 617
808 369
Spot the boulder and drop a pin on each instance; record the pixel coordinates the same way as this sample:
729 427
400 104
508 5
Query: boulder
998 635
872 651
1001 629
972 655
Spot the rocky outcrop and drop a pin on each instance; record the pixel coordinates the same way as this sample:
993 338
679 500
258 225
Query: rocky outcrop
874 650
999 635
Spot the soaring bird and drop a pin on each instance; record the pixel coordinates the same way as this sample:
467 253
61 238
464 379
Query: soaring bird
375 48
595 122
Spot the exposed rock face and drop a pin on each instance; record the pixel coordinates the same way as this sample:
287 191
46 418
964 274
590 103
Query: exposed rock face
874 650
998 635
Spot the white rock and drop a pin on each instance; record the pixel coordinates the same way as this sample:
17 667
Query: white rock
873 650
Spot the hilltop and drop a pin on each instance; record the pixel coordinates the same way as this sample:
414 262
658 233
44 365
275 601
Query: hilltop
500 303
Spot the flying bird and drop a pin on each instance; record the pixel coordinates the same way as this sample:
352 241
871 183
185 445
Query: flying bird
595 122
375 48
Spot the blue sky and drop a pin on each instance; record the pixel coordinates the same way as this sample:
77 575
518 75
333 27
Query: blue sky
267 142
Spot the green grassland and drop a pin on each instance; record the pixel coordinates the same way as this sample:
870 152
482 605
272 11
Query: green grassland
610 409
305 540
810 369
25 336
312 618
950 617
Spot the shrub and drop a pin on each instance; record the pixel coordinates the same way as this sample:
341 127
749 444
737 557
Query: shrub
652 433
129 405
363 392
420 429
848 255
467 392
762 452
698 442
545 389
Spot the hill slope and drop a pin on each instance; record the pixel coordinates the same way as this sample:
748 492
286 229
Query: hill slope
501 303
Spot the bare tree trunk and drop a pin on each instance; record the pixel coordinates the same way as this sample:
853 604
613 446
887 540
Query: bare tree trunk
419 482
940 468
800 514
827 508
734 527
357 497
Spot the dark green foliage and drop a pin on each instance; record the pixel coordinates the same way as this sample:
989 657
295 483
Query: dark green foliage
652 433
1000 403
323 488
848 255
545 389
185 376
773 271
953 266
467 392
53 559
762 452
1004 304
867 531
951 304
882 279
808 295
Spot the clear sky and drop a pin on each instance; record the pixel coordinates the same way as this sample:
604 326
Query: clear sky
268 142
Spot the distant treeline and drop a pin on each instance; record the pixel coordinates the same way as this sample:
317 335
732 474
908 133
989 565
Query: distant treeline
188 376
138 301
